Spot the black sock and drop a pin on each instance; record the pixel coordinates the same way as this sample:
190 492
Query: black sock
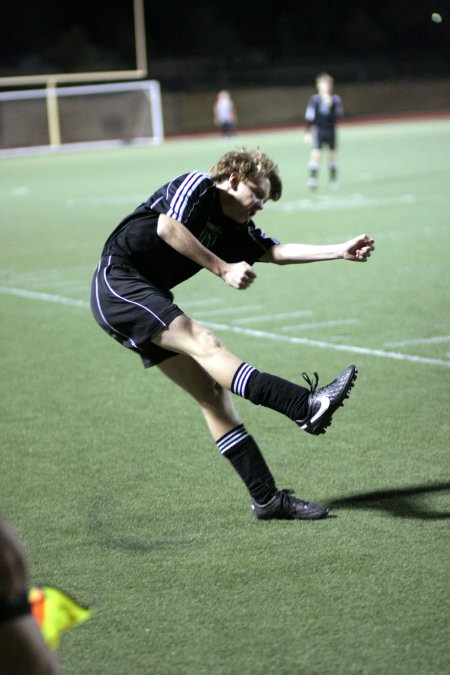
333 172
241 450
313 169
271 391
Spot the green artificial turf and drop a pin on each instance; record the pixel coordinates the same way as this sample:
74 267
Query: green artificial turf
110 477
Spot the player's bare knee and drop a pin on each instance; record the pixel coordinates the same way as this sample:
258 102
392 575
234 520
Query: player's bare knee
207 342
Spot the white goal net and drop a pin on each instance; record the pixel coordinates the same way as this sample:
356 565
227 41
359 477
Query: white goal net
89 115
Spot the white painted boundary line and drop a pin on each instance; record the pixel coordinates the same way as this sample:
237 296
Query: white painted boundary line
205 302
326 202
419 341
226 310
353 349
274 317
34 295
320 324
325 345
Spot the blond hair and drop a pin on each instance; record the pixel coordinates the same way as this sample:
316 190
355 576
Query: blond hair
249 165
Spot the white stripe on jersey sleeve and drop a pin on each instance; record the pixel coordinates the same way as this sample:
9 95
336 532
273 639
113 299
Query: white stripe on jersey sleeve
310 113
181 197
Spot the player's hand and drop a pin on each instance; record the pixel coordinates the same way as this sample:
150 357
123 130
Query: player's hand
307 138
239 275
359 248
13 573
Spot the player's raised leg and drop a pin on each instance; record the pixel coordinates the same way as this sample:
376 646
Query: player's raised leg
237 445
311 409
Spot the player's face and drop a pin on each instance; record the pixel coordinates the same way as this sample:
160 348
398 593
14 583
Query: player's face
249 197
324 87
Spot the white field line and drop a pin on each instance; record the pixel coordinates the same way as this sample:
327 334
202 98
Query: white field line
34 295
353 349
320 324
106 200
206 301
226 310
276 337
354 201
274 317
419 341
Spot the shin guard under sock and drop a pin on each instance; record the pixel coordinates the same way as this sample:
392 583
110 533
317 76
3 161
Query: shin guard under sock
271 391
245 456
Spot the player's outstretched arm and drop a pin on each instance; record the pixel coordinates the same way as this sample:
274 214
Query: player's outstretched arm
237 275
357 249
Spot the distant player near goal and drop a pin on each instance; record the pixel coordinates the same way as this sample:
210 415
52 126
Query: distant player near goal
205 220
224 113
322 112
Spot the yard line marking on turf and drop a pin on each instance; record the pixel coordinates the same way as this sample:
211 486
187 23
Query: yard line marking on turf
353 349
274 317
320 324
226 310
354 201
102 201
419 341
206 301
21 191
34 295
319 203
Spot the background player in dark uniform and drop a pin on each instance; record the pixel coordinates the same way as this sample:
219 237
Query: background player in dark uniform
322 112
197 221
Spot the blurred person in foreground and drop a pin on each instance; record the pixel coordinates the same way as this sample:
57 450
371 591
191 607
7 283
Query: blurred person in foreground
23 650
225 117
322 112
205 221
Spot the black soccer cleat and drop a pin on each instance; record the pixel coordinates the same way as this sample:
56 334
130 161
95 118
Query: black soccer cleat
325 401
285 506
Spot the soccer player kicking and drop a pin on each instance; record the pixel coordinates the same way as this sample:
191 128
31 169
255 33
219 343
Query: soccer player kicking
200 220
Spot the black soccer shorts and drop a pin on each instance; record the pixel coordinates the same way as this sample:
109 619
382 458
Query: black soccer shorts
130 309
324 137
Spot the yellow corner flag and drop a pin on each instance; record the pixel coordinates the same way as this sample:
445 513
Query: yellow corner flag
55 612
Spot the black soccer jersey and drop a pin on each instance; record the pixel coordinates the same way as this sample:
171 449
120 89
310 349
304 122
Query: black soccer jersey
323 115
192 199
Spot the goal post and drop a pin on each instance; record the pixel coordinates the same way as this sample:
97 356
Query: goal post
49 118
52 79
99 114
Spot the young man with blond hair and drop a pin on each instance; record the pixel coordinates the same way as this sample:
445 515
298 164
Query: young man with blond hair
205 221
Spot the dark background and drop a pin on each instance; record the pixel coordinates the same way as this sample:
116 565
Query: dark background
193 45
